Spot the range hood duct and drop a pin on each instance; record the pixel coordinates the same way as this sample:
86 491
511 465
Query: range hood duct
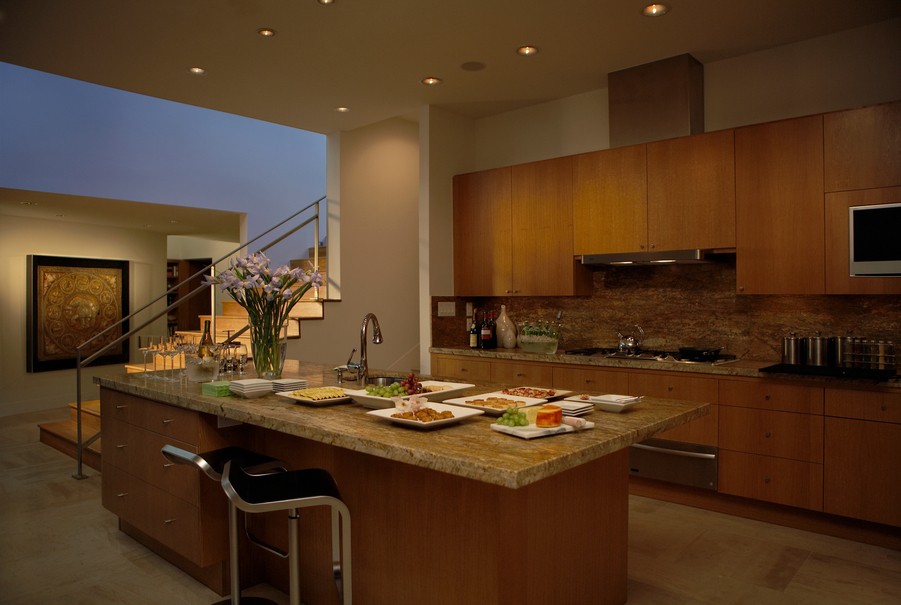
670 257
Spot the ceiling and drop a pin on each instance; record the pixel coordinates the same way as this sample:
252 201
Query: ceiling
370 56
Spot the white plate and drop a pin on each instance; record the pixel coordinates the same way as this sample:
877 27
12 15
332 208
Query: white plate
458 412
467 402
250 394
380 403
606 403
557 393
315 402
532 431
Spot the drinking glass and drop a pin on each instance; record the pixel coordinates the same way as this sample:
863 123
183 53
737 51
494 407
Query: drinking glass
145 345
241 357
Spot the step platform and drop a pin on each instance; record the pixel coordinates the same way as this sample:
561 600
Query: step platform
62 436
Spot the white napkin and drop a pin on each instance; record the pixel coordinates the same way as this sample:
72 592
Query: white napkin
618 399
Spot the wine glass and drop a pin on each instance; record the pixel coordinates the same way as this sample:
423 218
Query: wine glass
241 357
145 345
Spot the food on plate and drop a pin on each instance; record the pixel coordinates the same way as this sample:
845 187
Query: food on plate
434 388
584 396
318 393
549 416
424 414
513 417
496 403
411 384
530 392
395 389
575 422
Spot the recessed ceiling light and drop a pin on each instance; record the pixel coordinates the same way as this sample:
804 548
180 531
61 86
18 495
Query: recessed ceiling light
431 81
197 71
473 66
326 1
342 109
527 51
266 32
655 10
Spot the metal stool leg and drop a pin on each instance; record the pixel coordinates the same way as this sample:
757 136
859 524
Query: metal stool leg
294 556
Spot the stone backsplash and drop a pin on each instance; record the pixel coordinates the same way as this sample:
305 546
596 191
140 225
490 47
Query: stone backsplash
685 305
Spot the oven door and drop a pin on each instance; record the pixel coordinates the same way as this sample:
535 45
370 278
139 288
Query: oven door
674 461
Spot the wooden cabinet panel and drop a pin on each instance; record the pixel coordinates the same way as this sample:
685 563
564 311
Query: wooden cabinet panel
771 479
521 373
690 388
769 395
483 253
880 406
781 434
862 474
779 207
462 368
691 192
838 271
862 147
610 201
595 381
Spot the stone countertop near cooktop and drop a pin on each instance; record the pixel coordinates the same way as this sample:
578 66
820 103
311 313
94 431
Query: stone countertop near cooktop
742 367
468 448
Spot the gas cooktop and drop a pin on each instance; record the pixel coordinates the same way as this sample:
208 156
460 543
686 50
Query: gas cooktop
707 358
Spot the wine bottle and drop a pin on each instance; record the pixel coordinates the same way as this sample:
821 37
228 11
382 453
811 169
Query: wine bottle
205 348
492 327
485 332
474 333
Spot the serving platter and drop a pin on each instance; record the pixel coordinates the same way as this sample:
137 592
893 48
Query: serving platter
609 403
379 403
458 412
536 392
532 431
473 402
315 402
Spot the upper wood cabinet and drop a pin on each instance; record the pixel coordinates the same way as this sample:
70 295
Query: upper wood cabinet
610 201
513 233
862 147
779 207
691 192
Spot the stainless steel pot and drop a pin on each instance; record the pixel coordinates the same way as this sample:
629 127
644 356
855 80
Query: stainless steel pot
817 350
793 349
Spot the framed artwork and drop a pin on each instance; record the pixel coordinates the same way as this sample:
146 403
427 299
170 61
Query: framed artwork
71 300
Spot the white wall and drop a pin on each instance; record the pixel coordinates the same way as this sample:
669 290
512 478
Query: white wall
21 391
378 197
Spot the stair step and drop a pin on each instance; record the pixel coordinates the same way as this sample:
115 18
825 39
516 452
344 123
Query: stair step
62 436
90 415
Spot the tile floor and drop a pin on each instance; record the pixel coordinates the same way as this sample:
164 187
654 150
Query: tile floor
58 545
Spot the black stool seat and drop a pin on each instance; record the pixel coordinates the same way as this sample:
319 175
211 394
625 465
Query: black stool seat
213 463
290 491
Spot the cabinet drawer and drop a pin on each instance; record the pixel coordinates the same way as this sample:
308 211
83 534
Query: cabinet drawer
673 386
168 420
463 368
782 434
767 395
521 374
115 489
865 405
591 380
771 479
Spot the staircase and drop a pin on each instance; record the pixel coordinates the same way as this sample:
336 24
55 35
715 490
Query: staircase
61 435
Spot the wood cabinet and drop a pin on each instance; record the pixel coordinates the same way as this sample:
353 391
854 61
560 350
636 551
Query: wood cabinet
691 192
513 232
610 201
838 273
591 380
187 315
771 442
670 385
521 373
862 477
462 368
862 148
171 508
779 207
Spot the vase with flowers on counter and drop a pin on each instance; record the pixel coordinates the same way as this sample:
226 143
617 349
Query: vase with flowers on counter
268 295
539 337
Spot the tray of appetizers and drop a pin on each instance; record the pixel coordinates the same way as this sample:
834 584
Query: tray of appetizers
427 416
494 403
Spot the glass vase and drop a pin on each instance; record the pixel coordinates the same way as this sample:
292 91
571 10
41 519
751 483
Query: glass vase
268 346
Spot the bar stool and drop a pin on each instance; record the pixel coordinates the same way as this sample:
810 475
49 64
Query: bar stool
212 463
291 491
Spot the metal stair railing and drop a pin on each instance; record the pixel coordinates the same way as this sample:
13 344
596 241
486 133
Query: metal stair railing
80 363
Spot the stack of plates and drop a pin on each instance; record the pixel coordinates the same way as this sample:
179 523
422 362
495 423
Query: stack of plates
250 387
575 408
287 385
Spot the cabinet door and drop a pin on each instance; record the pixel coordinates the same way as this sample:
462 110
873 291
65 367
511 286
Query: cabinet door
521 373
610 201
781 434
862 474
688 388
691 192
482 233
863 148
543 263
771 479
779 207
838 272
594 381
462 368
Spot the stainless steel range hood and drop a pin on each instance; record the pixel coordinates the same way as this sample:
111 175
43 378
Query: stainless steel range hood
667 257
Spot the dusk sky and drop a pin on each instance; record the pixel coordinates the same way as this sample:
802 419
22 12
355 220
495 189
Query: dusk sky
61 135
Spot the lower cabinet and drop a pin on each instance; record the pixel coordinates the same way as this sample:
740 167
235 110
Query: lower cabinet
771 479
863 449
669 385
461 368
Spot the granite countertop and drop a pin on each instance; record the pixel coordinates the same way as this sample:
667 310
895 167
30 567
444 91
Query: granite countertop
747 368
468 448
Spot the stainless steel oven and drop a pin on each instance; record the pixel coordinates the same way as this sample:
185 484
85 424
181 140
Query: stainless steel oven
674 461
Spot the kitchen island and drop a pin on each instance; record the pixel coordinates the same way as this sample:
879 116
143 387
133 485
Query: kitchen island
456 514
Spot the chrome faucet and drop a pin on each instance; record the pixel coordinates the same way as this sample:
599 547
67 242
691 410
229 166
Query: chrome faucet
362 367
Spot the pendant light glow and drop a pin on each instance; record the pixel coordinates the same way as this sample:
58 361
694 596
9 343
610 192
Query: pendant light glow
527 51
430 81
655 10
197 71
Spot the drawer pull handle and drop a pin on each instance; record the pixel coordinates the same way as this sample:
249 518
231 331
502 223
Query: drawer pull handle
519 374
169 521
168 464
767 434
884 407
121 406
121 494
766 397
168 420
121 446
766 480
